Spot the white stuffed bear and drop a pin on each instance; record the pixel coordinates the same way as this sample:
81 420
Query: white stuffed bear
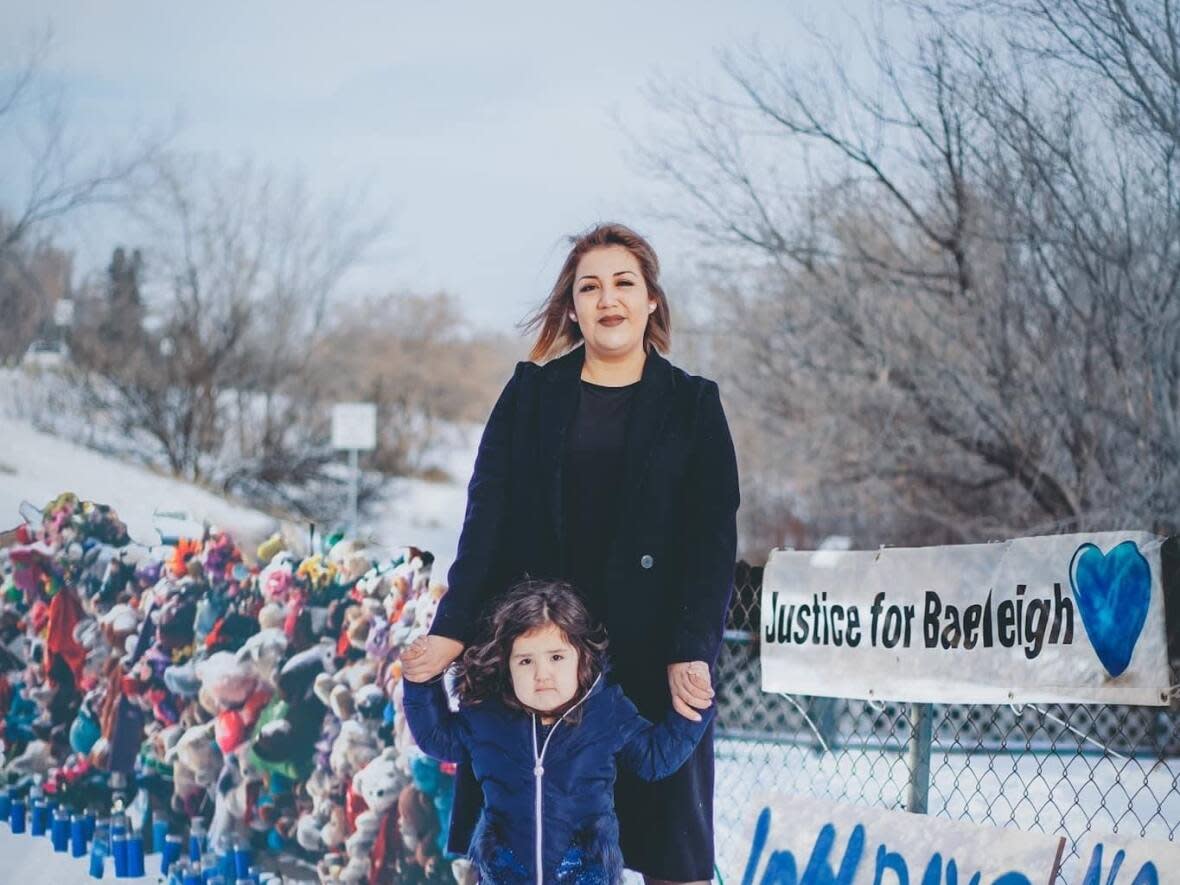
379 784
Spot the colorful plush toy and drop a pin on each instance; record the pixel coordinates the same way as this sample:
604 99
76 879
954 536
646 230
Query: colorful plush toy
260 699
196 761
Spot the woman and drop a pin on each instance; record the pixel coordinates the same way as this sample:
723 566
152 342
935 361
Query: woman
613 469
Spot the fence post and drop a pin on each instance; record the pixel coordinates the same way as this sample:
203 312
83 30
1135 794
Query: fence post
921 734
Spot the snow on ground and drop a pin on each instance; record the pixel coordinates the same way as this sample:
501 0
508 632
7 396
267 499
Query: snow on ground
427 515
31 860
36 467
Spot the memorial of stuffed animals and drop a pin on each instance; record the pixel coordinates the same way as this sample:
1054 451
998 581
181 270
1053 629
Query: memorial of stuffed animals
211 713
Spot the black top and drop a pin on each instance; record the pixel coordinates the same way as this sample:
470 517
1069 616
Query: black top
592 477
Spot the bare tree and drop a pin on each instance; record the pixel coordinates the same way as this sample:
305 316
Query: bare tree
53 174
216 367
417 358
63 173
965 325
34 276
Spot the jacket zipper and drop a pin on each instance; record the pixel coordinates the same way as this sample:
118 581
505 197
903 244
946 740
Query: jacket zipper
539 774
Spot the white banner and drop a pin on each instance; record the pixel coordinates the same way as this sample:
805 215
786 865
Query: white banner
1063 618
1120 860
805 841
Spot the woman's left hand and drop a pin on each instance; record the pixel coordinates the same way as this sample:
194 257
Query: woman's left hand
692 687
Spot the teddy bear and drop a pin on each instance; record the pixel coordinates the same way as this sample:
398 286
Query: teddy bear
373 584
352 750
324 826
265 651
196 761
338 691
351 558
271 616
358 621
222 673
420 829
277 579
317 789
378 785
120 627
233 690
437 786
37 759
232 799
379 782
424 612
464 871
88 633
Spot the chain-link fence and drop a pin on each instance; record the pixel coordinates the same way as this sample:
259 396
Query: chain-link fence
1055 768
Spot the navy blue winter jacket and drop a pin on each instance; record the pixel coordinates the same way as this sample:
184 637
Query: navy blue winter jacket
548 803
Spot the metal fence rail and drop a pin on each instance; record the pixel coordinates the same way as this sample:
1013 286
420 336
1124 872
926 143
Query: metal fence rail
1055 768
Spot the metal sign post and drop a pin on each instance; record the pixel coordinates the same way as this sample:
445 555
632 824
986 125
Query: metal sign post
354 429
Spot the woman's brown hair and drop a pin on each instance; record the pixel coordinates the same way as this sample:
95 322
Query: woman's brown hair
557 332
482 673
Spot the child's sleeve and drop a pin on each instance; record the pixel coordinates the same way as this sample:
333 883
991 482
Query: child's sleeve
655 751
436 729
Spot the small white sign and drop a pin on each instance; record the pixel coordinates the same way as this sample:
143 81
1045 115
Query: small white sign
354 426
63 312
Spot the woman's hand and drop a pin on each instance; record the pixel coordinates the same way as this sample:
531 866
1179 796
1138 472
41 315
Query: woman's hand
428 656
691 687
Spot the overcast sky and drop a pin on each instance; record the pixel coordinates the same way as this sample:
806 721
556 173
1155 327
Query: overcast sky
486 131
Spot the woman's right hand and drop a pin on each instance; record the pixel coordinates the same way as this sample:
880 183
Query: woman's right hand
428 656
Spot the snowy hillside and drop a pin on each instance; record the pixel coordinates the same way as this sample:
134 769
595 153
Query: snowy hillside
35 467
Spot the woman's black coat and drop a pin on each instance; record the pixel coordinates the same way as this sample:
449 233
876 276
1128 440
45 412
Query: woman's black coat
669 571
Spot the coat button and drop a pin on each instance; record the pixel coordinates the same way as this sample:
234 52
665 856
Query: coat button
646 561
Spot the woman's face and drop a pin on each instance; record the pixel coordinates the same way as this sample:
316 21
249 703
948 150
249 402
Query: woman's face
611 303
544 668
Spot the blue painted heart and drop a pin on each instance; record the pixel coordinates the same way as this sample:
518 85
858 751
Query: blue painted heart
1112 592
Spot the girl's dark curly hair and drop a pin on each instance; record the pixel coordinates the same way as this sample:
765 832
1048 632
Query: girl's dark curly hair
482 673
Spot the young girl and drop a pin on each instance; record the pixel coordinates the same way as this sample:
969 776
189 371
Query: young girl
544 731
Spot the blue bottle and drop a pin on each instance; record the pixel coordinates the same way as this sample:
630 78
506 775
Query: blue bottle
196 840
119 851
60 830
242 860
78 835
39 822
135 857
159 834
99 849
170 853
16 816
98 860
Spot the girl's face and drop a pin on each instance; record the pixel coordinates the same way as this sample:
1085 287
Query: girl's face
611 302
544 668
